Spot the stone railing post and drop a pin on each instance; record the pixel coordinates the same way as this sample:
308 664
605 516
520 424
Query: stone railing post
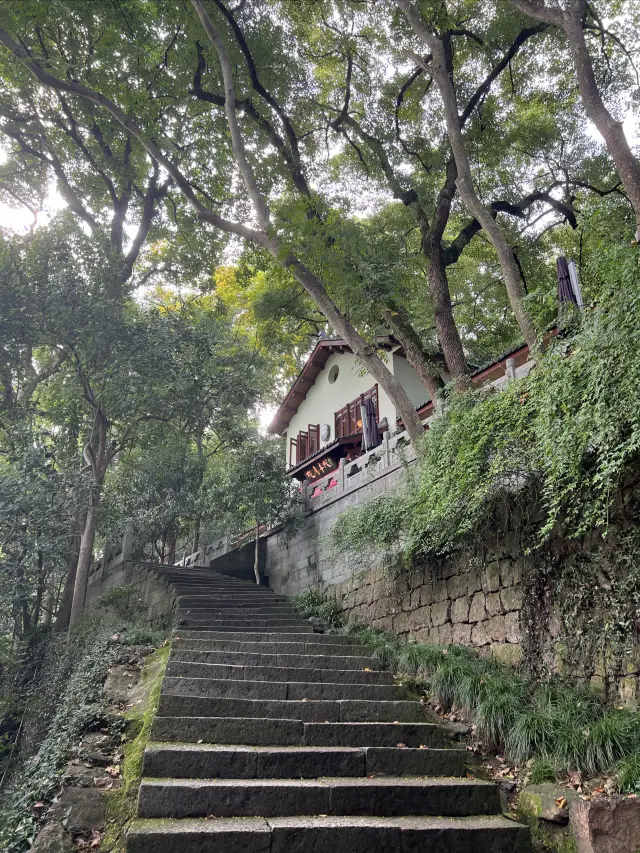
510 367
386 451
106 556
127 542
342 465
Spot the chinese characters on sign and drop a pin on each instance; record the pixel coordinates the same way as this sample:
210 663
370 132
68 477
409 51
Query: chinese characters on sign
319 469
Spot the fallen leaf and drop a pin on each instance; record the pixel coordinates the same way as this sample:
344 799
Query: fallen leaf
200 741
401 745
561 802
367 669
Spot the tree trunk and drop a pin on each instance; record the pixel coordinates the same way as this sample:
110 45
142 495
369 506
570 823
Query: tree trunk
198 518
446 328
627 165
440 73
21 621
196 535
256 558
414 350
84 559
40 590
171 552
64 611
570 19
47 605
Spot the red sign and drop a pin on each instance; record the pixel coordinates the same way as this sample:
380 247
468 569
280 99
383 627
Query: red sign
319 469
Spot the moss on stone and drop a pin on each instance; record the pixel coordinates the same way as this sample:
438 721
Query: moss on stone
121 803
547 836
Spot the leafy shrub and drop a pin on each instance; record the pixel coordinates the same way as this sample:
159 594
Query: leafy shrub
67 694
124 602
314 604
542 770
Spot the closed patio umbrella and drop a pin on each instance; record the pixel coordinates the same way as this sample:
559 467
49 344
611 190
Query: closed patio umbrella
370 434
565 288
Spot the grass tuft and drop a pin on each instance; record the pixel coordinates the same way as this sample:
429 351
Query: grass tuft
629 773
542 770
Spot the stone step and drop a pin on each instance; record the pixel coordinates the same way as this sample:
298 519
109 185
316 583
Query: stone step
312 710
385 797
212 761
286 732
185 599
244 610
235 615
219 609
180 666
262 625
326 661
199 594
324 639
282 690
487 834
203 587
274 647
266 623
198 583
232 599
242 627
406 734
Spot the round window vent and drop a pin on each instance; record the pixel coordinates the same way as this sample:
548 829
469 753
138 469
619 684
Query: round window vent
333 374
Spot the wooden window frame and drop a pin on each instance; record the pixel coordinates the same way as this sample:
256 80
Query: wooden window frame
346 419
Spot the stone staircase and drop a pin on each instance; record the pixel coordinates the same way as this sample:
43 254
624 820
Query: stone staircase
270 738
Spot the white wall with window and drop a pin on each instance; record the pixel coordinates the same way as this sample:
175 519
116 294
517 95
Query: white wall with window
342 381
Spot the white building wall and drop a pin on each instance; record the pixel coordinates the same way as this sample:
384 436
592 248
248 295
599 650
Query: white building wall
324 399
410 381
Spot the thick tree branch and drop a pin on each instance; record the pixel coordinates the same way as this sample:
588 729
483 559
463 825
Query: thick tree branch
246 171
522 37
259 88
247 106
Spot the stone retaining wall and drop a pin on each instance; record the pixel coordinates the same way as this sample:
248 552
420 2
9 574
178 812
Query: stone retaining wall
447 603
153 590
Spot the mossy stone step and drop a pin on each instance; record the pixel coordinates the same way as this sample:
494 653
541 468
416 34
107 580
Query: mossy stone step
352 834
215 761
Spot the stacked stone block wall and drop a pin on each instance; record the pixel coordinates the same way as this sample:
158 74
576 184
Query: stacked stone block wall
449 602
157 595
